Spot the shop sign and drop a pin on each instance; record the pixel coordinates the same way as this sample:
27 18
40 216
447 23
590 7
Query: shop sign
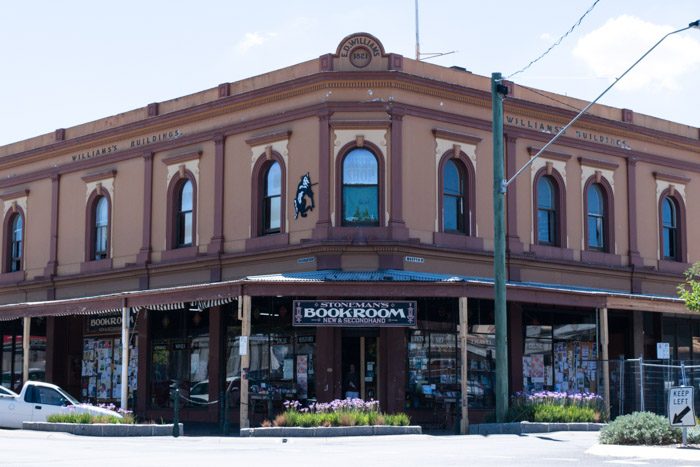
355 313
108 323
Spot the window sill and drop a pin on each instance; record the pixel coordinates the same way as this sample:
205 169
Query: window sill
601 257
673 267
552 252
177 254
267 241
7 278
97 265
460 241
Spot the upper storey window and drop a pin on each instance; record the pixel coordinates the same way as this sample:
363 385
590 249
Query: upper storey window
596 218
272 199
670 229
453 198
547 211
101 229
184 225
15 243
360 195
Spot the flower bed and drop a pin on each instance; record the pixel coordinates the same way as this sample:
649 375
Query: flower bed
340 412
557 407
127 416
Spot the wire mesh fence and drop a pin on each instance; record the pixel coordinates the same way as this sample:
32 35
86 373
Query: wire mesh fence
642 385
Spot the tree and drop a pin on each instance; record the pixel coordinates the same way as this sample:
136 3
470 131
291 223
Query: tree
689 289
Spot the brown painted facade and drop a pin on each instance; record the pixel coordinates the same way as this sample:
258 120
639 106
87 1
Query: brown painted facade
414 117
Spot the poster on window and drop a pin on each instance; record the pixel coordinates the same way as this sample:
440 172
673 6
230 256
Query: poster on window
537 368
101 369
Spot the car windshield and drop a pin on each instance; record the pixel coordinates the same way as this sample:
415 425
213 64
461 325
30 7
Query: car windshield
6 392
68 397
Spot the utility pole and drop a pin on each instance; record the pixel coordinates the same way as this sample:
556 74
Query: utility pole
498 91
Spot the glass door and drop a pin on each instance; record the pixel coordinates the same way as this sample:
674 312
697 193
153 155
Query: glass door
360 363
369 362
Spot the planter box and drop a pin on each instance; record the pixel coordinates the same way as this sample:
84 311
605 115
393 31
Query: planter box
103 429
331 431
519 428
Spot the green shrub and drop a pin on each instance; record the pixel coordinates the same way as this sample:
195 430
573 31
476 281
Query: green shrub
337 413
553 407
563 413
640 428
86 418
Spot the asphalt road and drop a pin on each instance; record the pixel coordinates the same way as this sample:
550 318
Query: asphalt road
25 448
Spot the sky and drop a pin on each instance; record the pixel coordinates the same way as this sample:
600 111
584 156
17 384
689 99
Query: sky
70 62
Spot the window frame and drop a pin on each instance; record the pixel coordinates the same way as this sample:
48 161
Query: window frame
91 226
608 216
260 171
175 188
342 154
464 165
680 237
557 183
8 244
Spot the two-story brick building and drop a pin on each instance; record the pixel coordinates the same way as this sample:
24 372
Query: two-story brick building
339 212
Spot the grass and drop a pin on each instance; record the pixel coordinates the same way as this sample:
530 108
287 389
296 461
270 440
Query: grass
89 419
555 407
337 413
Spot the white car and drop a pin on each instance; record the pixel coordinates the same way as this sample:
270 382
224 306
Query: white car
37 401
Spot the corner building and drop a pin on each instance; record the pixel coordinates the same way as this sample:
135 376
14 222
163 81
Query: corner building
266 235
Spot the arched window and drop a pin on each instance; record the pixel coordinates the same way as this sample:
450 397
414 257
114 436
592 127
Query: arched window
453 198
596 218
670 229
547 211
101 229
184 225
272 199
360 188
15 244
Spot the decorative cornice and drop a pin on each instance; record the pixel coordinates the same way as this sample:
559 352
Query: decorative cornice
598 163
667 177
359 124
269 138
14 194
179 158
455 136
111 173
549 154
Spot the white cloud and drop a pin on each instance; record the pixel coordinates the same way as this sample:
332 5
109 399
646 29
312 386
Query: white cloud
253 39
612 48
545 36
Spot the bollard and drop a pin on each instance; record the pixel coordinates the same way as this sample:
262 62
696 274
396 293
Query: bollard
176 408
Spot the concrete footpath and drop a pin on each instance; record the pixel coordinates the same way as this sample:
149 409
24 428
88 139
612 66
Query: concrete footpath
27 448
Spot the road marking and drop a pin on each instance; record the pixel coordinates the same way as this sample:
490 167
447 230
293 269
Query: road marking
627 462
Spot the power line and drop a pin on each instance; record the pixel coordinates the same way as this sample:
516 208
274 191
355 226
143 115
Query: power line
577 23
535 91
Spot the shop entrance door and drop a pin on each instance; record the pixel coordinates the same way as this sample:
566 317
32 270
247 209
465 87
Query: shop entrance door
360 360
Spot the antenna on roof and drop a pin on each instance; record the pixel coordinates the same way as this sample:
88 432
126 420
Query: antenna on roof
425 55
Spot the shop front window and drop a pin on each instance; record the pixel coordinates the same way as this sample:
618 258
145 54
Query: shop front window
180 353
281 358
102 367
560 352
12 356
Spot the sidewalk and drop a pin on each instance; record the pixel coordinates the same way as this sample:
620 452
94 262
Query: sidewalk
640 453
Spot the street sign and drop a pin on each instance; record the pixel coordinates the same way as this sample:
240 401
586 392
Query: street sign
663 351
681 411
